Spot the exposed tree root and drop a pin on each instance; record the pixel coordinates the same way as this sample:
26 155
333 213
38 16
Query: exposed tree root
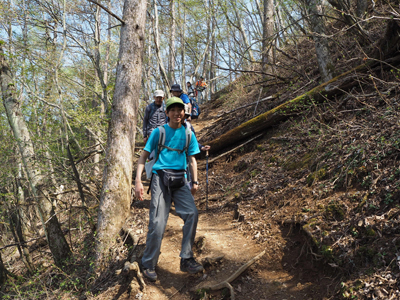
131 265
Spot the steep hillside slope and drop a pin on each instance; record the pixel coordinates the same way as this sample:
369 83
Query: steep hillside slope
328 175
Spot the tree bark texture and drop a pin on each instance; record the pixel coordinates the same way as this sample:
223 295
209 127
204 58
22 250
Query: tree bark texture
339 85
55 237
172 50
163 72
317 22
117 178
268 31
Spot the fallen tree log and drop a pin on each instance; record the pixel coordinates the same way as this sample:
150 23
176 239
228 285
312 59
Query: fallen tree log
227 283
329 90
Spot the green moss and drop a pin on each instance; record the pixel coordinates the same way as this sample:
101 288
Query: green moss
370 232
333 210
261 148
303 162
366 252
327 252
315 176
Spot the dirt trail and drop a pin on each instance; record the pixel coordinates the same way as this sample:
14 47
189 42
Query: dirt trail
264 279
276 275
217 239
279 274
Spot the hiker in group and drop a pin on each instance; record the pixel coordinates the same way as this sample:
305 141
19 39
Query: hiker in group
200 86
190 92
178 145
195 112
186 122
176 91
154 115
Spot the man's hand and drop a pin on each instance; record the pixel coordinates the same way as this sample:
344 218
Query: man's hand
139 190
194 189
205 148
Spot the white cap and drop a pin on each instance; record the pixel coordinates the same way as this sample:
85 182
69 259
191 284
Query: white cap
159 93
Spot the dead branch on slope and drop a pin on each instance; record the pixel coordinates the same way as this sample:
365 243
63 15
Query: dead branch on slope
226 283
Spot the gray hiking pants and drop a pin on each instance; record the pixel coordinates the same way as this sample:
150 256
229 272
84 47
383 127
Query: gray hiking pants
160 205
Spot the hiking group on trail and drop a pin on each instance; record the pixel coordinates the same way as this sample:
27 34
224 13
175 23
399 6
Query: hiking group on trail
169 160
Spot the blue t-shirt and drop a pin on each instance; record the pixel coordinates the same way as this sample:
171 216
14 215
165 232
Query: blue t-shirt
174 138
184 98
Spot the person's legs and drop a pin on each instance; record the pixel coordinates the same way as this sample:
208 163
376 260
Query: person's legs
186 209
200 97
159 210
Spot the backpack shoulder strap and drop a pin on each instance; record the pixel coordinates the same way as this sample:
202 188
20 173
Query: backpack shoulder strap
161 140
188 135
153 109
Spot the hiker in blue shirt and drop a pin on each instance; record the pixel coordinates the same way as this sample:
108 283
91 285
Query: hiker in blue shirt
167 186
154 115
176 91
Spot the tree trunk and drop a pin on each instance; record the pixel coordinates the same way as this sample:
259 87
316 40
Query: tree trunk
212 81
244 35
268 31
172 36
55 237
317 22
183 49
115 196
3 272
164 75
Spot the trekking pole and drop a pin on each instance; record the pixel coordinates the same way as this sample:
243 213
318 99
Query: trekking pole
207 180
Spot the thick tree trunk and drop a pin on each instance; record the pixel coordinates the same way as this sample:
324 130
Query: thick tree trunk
117 181
55 237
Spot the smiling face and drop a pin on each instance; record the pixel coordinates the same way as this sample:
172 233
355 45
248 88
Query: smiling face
175 114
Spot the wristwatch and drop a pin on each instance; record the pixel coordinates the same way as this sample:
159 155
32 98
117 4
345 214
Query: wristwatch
195 182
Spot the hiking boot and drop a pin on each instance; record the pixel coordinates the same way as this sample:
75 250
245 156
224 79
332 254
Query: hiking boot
150 274
191 266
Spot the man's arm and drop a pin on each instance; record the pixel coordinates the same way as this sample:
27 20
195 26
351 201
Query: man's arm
139 190
193 173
